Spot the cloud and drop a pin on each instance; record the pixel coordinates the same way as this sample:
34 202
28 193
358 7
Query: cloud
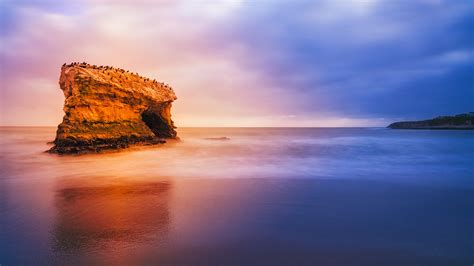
351 59
241 61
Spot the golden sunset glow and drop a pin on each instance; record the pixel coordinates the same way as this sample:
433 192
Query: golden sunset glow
236 132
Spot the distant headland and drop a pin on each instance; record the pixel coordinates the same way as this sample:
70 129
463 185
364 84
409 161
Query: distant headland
461 121
111 108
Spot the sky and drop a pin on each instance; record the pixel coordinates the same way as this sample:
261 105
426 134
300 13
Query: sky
249 63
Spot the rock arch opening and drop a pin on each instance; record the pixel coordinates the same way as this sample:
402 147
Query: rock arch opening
157 124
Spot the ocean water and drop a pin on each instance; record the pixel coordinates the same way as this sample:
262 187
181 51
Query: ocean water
267 196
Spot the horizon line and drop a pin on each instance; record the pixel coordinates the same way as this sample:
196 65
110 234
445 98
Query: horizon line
17 126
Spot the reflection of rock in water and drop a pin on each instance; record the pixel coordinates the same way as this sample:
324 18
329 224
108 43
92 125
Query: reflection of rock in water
110 216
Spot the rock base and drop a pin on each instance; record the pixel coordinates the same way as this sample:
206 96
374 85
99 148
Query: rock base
101 145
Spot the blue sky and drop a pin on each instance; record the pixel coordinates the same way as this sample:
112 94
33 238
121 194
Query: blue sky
251 63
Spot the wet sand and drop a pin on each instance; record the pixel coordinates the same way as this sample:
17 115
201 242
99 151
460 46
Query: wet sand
250 221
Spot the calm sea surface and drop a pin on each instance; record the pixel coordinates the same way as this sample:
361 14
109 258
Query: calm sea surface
357 196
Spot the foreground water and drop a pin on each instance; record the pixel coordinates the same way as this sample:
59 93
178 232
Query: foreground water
266 196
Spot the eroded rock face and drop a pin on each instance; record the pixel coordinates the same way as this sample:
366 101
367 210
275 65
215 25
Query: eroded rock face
110 108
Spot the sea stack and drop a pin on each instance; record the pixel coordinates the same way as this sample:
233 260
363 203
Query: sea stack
110 108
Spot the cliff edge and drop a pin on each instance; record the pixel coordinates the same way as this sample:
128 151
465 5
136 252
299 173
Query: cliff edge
461 121
110 108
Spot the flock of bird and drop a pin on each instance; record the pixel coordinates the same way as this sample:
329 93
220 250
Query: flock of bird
118 70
